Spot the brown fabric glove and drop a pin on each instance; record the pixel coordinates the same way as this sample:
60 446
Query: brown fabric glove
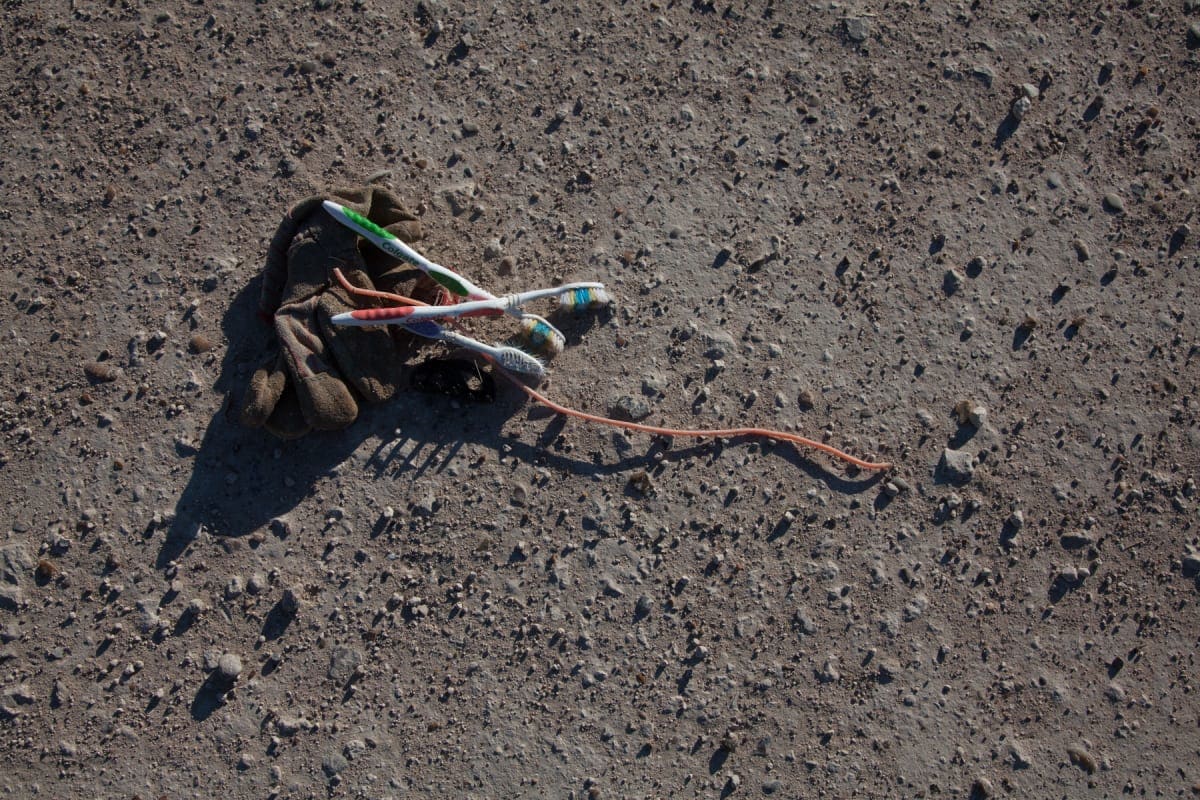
321 369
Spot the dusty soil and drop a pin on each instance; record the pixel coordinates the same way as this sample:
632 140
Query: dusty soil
959 238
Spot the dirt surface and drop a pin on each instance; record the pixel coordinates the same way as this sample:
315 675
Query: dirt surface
958 238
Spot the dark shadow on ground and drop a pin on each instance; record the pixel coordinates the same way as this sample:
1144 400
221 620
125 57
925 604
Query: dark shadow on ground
210 696
244 478
1004 131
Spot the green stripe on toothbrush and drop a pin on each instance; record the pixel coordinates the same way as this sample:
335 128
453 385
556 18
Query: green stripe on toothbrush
386 240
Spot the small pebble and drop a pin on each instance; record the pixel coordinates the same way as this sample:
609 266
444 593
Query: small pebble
629 408
200 343
1081 250
952 281
857 29
984 73
1020 107
1081 758
101 372
1113 203
1076 540
229 667
959 465
978 416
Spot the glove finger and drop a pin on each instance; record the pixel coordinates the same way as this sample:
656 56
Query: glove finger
275 272
262 393
287 420
366 357
325 400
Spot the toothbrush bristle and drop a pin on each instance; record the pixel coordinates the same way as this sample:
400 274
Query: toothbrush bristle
516 360
542 338
580 299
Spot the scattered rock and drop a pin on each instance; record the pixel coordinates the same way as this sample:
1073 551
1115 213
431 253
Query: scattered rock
101 371
982 788
1113 203
1075 540
915 607
1020 760
229 667
1081 758
289 603
958 465
290 726
611 587
952 281
1020 107
15 563
333 763
640 481
343 662
200 343
459 197
629 408
857 29
1070 576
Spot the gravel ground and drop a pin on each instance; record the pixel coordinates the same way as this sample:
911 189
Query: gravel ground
958 238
